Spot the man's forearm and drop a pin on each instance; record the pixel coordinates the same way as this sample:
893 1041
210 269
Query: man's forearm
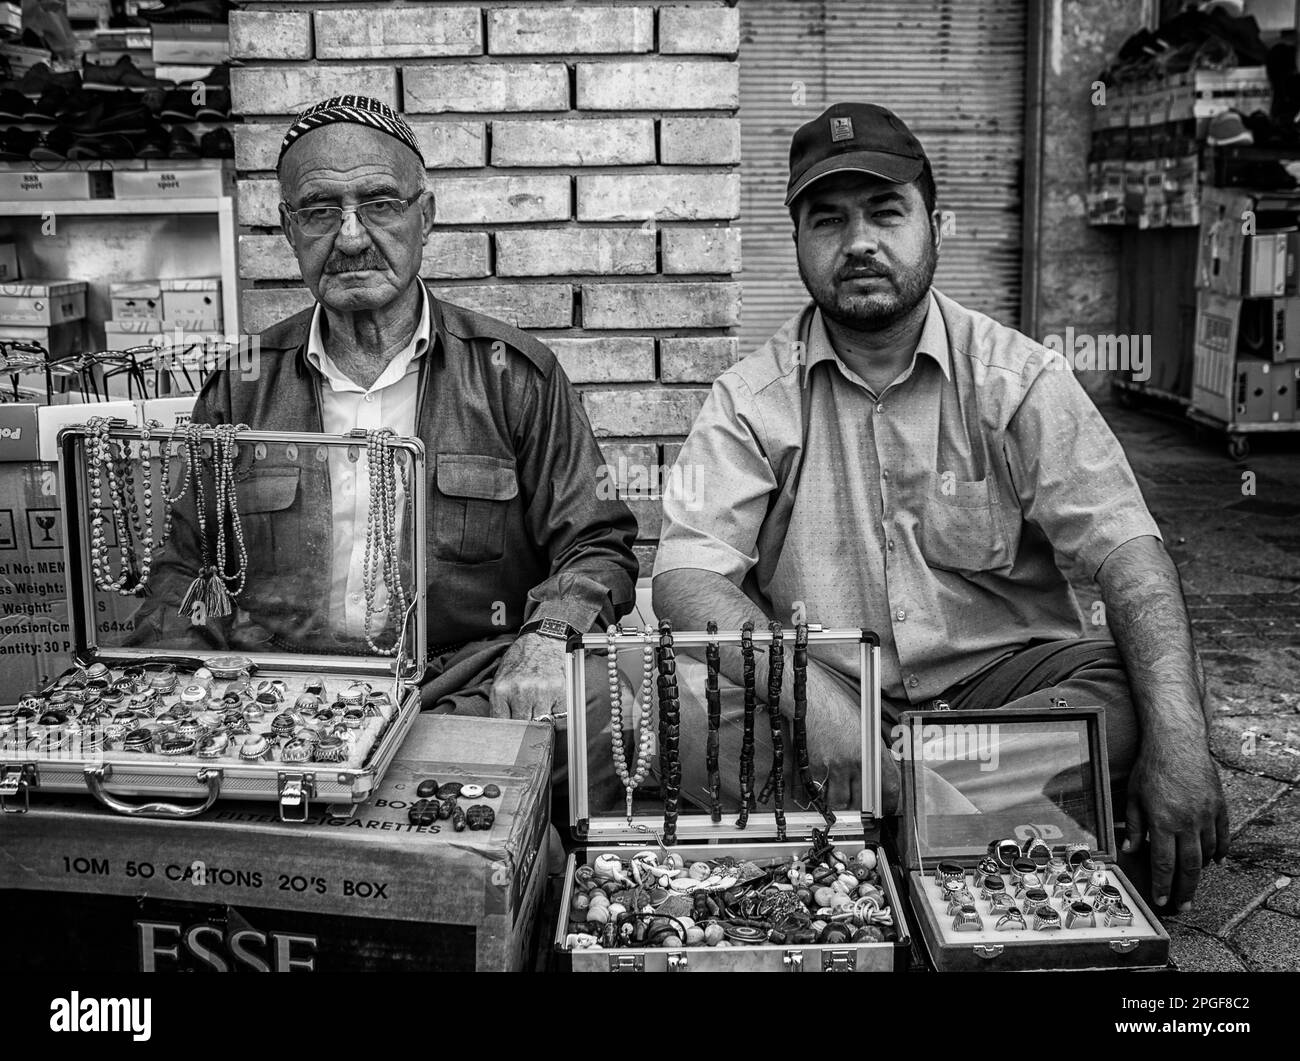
1148 618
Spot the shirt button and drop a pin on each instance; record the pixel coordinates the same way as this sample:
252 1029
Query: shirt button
880 408
890 545
370 397
900 615
885 474
913 682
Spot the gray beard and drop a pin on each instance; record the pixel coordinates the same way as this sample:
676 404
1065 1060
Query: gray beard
880 311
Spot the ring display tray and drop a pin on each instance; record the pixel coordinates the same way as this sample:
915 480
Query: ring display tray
1031 791
719 871
271 697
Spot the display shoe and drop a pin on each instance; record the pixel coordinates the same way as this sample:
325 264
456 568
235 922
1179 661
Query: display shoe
178 106
217 143
129 120
13 105
215 106
152 143
123 74
54 145
16 144
46 110
40 77
182 144
85 148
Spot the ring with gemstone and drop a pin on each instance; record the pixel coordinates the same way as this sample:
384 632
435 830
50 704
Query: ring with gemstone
1080 915
988 867
1034 900
1038 851
1002 902
307 703
255 748
1046 919
330 750
1107 896
1064 888
176 746
1029 882
1011 920
296 750
1118 916
961 899
1076 853
213 746
227 667
946 871
967 919
1055 865
991 886
1004 852
1087 867
1096 882
1019 868
138 740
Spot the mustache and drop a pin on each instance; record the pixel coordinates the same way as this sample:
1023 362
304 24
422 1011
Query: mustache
859 269
354 263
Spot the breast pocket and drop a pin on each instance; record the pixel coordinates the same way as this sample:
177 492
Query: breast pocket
961 526
273 531
470 505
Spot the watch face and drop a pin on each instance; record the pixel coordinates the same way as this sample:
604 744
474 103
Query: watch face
554 628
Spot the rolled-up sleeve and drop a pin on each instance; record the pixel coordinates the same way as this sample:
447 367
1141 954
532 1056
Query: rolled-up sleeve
1073 479
719 488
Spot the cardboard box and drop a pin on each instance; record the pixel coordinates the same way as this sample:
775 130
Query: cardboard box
171 413
27 185
1269 329
1255 398
191 42
51 419
1286 382
171 183
136 300
8 261
1264 265
193 299
125 334
42 302
237 890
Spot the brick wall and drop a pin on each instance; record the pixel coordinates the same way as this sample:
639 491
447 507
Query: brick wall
584 159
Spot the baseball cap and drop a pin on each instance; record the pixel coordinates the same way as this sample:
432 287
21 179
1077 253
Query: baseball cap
853 137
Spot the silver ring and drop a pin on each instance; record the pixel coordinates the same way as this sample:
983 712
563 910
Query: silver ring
1096 882
1029 882
1035 899
960 901
1002 902
1011 921
1046 919
1107 896
1076 853
946 871
1063 887
967 919
1038 851
1118 916
991 886
1004 852
1080 915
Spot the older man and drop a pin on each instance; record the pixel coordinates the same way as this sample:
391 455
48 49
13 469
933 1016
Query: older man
892 460
521 549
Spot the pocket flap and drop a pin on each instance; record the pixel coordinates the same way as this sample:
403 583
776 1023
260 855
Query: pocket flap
472 475
267 492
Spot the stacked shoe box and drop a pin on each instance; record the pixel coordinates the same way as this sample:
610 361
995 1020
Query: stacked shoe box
180 317
51 312
136 320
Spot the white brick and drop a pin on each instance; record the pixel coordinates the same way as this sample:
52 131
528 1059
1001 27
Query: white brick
627 459
701 250
555 30
606 359
257 203
291 89
699 141
479 200
447 256
696 359
557 252
661 305
270 35
257 146
651 85
523 305
419 31
699 30
451 145
259 309
639 413
664 196
485 87
287 90
565 142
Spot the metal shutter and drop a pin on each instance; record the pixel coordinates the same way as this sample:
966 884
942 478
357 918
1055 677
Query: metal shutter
954 71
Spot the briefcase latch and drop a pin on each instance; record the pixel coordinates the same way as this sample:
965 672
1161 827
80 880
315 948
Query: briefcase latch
838 961
17 778
1123 946
989 951
793 961
677 961
627 963
296 791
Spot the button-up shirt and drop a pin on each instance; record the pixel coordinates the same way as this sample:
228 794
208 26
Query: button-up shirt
934 513
345 405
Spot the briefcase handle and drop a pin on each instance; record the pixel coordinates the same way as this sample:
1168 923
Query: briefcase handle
96 776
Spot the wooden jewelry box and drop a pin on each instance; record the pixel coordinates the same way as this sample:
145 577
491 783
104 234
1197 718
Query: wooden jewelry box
729 855
979 784
132 716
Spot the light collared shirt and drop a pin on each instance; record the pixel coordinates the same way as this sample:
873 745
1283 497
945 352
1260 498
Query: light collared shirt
392 402
934 513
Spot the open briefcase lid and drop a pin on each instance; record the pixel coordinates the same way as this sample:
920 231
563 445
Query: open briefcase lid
971 778
597 799
285 610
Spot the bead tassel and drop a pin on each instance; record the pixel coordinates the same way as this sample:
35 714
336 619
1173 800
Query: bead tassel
670 724
747 802
776 779
815 792
713 697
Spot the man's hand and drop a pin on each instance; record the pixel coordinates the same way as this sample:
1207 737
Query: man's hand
1174 798
530 680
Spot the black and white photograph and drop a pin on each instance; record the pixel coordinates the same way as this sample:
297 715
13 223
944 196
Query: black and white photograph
630 486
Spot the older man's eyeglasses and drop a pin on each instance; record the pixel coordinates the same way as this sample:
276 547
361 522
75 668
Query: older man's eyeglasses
326 220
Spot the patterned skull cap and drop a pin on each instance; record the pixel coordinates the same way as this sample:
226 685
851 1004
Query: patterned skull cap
359 110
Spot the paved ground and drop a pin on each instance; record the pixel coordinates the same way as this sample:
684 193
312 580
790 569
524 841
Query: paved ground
1239 556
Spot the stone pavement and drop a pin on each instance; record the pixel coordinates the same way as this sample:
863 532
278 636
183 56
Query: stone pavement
1234 532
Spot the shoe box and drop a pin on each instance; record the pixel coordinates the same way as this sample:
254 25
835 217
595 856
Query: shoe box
172 179
1265 392
191 42
193 303
42 302
44 185
135 300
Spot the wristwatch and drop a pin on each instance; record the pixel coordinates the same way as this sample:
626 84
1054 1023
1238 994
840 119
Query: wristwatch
548 627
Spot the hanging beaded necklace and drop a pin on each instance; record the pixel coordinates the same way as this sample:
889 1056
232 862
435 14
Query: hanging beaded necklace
633 777
382 561
103 472
670 763
713 697
776 779
747 734
209 595
814 789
